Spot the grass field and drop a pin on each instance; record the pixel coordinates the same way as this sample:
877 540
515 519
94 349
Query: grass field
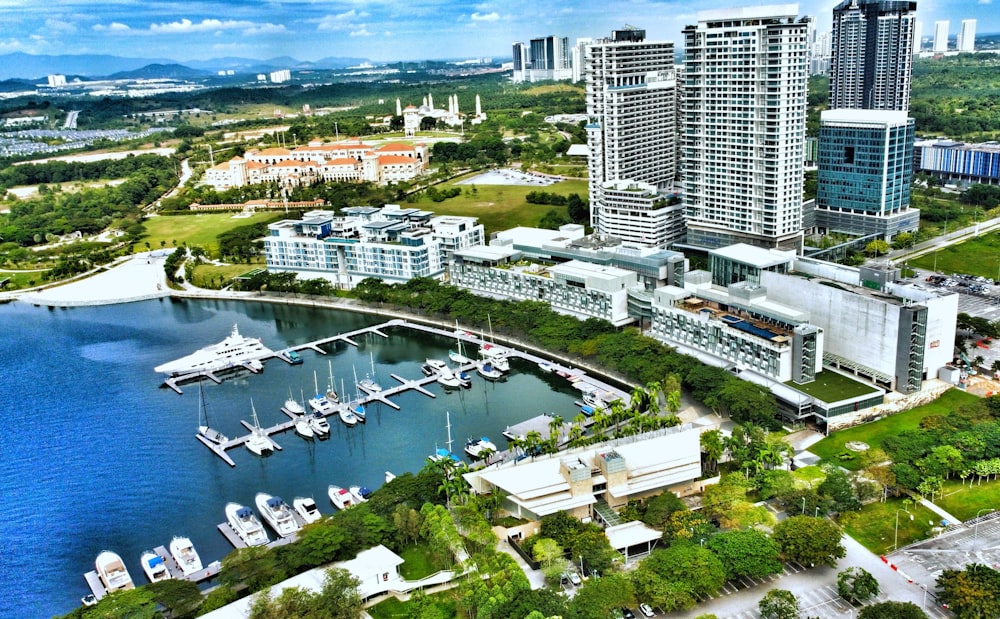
976 256
214 277
965 501
833 387
416 562
195 229
875 525
443 606
873 433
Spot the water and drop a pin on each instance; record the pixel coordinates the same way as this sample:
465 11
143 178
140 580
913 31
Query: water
97 455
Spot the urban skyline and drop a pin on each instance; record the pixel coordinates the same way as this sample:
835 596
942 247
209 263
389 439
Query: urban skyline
378 30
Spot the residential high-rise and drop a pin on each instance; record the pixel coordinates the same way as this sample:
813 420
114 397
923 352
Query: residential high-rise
745 78
545 58
631 98
941 36
967 36
872 54
918 34
865 171
520 53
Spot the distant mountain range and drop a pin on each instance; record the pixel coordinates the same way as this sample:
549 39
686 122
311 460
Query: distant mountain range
29 67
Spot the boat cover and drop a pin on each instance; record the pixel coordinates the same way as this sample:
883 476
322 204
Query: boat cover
274 502
364 492
244 512
157 560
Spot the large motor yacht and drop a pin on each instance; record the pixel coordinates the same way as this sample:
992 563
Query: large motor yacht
112 572
231 352
183 552
277 514
246 525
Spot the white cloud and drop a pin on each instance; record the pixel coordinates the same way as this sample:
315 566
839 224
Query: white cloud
112 27
185 26
267 28
11 45
985 1
362 32
340 21
485 16
58 25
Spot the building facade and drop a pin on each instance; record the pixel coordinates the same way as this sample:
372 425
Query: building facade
872 54
865 172
631 91
941 36
638 214
391 243
959 161
745 78
542 59
967 36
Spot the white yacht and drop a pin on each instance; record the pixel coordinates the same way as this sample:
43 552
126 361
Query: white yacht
112 572
277 514
319 402
347 415
232 352
340 497
479 447
306 508
360 494
436 365
488 371
154 566
320 426
246 525
448 379
331 387
368 384
303 428
183 552
292 405
495 355
258 443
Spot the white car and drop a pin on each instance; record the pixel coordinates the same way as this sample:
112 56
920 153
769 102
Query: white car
646 610
575 578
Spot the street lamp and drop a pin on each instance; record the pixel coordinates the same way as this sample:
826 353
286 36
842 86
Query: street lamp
895 538
985 509
803 506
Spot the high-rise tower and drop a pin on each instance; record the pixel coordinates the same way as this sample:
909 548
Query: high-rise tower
941 36
872 54
745 78
631 135
967 36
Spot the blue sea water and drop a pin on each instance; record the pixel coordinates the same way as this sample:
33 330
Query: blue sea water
95 454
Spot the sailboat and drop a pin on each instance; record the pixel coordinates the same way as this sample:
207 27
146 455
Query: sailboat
258 443
368 384
302 426
204 431
331 390
441 453
318 402
493 354
458 357
357 408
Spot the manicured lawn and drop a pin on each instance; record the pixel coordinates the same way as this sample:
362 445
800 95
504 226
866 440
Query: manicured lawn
416 563
810 475
965 501
195 229
833 387
394 609
873 433
976 256
212 276
875 525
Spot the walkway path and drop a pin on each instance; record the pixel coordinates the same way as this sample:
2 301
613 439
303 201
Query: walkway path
940 512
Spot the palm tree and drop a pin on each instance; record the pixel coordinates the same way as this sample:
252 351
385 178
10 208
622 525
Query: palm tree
555 427
711 446
532 440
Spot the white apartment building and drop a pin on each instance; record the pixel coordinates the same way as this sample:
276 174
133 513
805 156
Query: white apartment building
967 36
941 36
577 288
745 79
638 214
390 243
280 76
631 90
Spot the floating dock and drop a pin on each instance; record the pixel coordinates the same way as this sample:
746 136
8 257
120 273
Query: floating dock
210 570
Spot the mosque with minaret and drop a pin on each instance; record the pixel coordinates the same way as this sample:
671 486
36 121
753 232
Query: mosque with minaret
452 117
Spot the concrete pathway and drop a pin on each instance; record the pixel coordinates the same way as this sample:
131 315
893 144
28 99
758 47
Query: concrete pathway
940 512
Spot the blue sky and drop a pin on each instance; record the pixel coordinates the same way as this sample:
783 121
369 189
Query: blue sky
375 29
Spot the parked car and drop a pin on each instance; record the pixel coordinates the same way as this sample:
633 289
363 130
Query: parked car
627 614
646 610
575 578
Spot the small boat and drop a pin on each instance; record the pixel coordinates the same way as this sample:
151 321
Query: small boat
292 405
340 497
306 508
112 572
331 387
277 514
356 407
246 525
546 367
436 365
320 426
389 476
183 552
204 430
294 357
258 443
360 494
458 356
232 352
154 566
303 428
319 402
488 371
442 454
464 379
448 379
496 356
368 383
426 370
347 415
89 600
254 365
479 447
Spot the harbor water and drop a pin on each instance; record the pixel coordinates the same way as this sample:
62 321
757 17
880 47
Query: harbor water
97 454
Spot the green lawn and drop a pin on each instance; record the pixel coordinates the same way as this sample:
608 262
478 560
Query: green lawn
416 562
195 229
811 476
977 256
965 502
873 433
391 608
875 525
833 387
212 276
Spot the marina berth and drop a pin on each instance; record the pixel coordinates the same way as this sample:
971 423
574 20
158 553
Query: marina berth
184 554
277 514
246 525
232 352
112 572
306 508
340 497
154 566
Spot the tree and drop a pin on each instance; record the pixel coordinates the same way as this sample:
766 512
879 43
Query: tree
711 449
660 507
779 604
674 578
597 597
877 247
856 585
138 603
892 610
809 541
546 551
972 593
746 553
339 597
839 489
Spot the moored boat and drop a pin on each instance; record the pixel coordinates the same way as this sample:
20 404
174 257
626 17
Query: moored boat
479 447
320 426
368 383
184 554
112 572
277 514
204 430
234 351
487 371
347 415
545 366
448 379
154 566
340 497
258 442
360 494
246 525
306 508
442 454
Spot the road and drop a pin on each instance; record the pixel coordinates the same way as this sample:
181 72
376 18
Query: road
901 255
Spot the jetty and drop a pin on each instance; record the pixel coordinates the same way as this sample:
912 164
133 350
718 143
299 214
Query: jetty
584 382
227 532
209 571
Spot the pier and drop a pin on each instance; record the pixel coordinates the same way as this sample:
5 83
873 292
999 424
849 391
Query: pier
581 379
227 532
209 571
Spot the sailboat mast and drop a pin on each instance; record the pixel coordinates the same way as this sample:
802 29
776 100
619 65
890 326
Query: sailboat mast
448 426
